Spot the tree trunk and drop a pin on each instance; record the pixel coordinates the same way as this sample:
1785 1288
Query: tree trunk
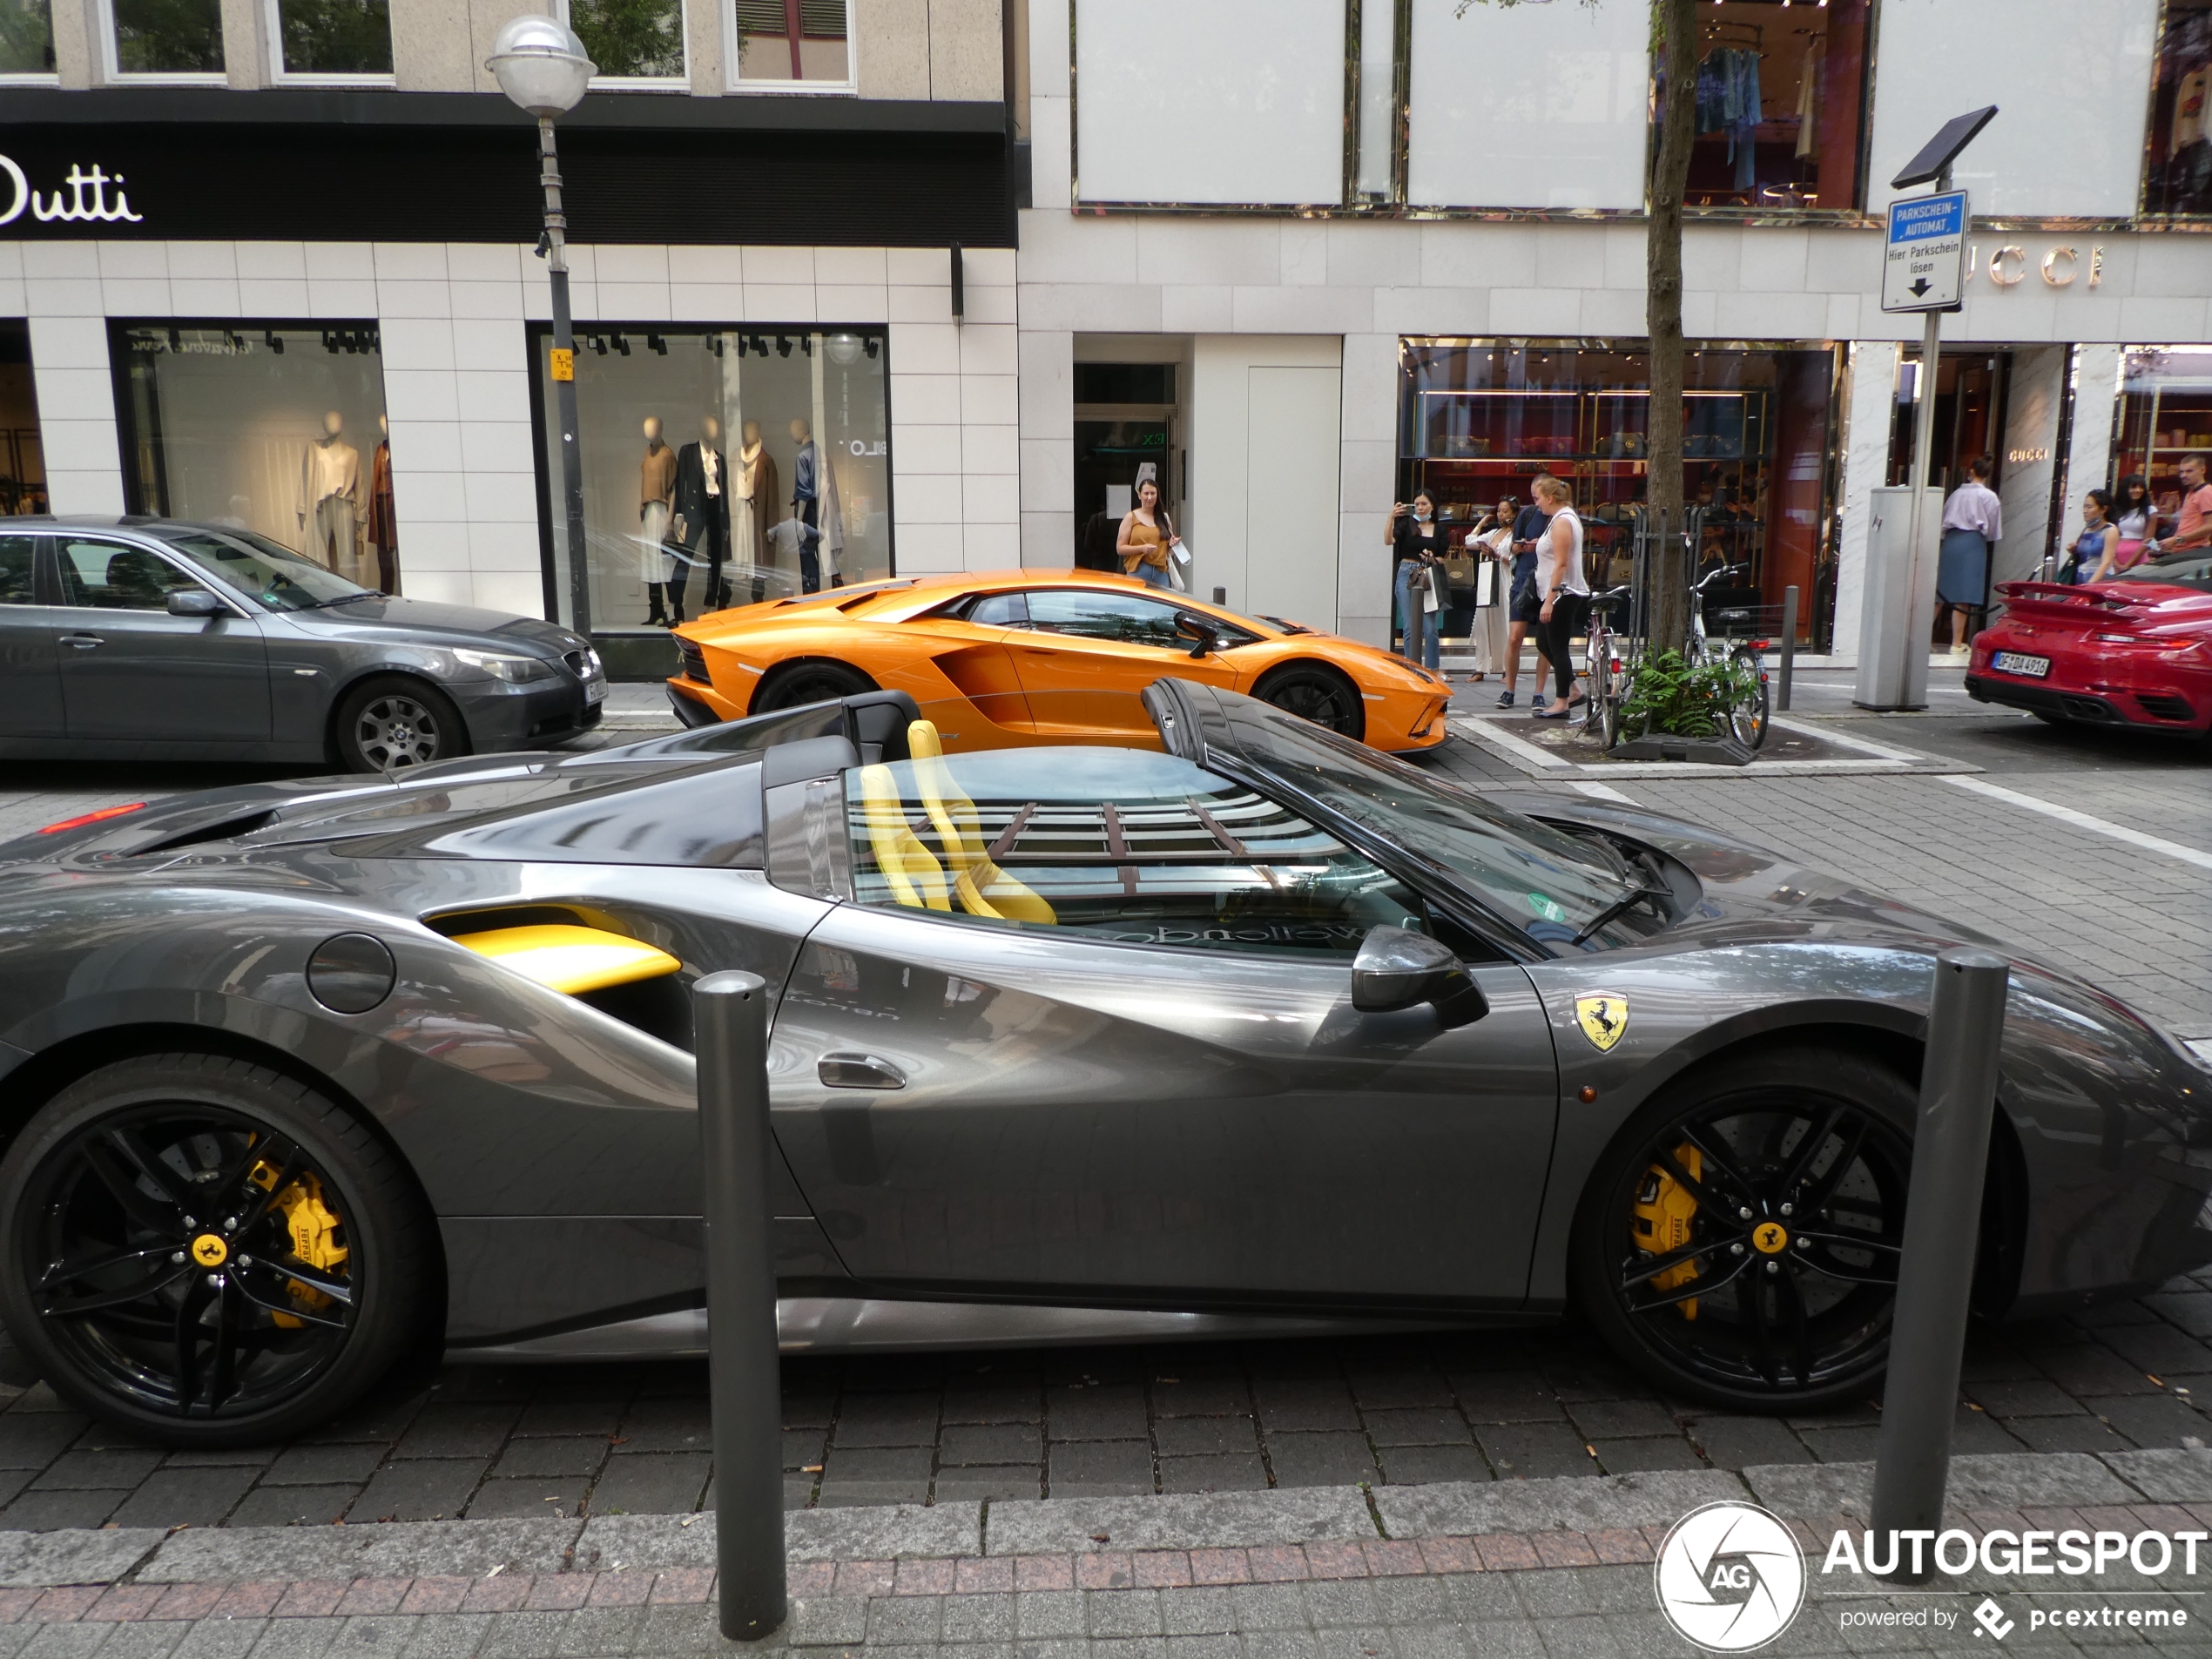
1678 43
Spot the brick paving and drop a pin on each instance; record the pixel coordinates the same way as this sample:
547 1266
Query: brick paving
582 1440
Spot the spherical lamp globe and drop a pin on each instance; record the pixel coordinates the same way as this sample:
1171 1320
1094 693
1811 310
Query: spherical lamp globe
540 65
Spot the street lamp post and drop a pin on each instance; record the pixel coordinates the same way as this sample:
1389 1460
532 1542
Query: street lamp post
543 68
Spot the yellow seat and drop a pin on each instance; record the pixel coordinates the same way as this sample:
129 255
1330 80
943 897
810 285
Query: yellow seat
917 879
983 889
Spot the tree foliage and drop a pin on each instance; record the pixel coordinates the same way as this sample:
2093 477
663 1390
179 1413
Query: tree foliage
337 36
640 39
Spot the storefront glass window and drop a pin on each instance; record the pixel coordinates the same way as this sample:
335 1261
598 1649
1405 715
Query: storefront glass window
793 40
1781 97
275 429
335 36
789 426
168 37
2179 178
26 37
1479 418
631 40
2165 413
23 459
1970 390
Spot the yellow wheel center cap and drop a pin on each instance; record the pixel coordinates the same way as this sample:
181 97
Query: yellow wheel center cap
1770 1237
210 1251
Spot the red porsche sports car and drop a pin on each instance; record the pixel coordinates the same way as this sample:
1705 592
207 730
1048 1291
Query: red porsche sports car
2136 651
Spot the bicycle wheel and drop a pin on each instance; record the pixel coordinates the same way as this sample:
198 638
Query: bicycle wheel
1604 718
1747 714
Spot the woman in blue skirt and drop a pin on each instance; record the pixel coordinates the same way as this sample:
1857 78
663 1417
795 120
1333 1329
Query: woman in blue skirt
1972 520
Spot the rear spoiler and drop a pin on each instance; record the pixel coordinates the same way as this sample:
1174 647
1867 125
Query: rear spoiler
2056 600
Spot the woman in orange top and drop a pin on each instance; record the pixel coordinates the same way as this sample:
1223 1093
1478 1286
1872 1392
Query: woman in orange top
1146 535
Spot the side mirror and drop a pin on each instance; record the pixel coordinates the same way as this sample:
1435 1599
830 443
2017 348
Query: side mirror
195 601
1203 635
1398 968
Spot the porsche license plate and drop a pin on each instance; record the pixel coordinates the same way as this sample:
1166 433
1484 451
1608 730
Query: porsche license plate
2014 662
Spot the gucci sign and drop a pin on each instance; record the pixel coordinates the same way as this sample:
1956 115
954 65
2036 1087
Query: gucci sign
2008 266
88 197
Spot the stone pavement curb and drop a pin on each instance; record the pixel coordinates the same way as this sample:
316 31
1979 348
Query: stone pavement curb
1231 1537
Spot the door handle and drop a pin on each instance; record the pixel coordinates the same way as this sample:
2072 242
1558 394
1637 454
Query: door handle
84 642
859 1071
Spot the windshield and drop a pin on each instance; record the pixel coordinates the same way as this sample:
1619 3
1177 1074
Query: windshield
2190 569
1550 884
276 575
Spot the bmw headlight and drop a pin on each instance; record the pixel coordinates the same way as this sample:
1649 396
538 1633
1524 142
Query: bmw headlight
501 665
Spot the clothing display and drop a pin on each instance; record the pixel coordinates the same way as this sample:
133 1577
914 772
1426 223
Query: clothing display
1809 103
1729 101
806 508
383 520
756 487
702 526
328 505
656 507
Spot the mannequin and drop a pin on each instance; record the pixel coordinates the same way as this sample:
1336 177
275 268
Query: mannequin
806 505
383 522
702 520
656 502
330 483
760 492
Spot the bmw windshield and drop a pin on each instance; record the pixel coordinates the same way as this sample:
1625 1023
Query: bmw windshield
276 575
1562 891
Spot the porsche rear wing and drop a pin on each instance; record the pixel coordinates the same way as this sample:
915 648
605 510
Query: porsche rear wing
2056 602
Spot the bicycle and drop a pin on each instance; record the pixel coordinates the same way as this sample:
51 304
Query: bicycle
1607 673
1747 698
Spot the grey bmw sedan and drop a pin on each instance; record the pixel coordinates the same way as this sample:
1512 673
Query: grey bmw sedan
140 638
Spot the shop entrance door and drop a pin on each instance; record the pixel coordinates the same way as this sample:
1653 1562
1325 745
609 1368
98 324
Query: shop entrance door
1125 432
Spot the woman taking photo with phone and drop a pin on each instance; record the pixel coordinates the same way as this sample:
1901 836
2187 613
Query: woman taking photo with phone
1416 544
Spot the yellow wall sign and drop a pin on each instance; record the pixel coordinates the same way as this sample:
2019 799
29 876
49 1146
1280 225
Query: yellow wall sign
564 363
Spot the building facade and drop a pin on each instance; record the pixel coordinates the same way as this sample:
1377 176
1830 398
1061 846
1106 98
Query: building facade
273 265
1372 249
271 262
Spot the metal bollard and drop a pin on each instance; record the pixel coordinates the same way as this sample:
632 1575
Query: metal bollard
1788 649
1936 1270
744 1383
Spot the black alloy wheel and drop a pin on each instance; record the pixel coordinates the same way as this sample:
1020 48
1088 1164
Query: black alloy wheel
804 683
206 1252
1742 1237
1321 695
392 724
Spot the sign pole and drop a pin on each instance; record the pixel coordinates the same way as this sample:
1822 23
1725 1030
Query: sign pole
1924 269
1916 660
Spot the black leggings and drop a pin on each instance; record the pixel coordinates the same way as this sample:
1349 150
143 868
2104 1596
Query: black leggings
1569 611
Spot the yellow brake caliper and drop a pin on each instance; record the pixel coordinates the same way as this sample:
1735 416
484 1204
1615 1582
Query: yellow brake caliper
1664 1209
313 1227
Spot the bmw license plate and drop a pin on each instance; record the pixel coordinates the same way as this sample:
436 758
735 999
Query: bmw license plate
2013 662
596 690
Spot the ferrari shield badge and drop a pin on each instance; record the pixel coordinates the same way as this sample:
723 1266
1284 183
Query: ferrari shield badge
1603 1017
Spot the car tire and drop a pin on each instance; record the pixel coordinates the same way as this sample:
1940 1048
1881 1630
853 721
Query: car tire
1321 695
392 723
798 683
1793 1316
111 1175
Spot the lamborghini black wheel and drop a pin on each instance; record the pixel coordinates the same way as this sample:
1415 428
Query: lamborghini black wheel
206 1252
1321 695
804 683
1740 1239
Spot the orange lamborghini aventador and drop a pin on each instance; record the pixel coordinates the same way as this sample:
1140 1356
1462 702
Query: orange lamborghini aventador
1021 657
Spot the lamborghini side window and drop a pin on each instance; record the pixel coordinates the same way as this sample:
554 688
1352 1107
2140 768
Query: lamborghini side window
1111 843
1001 610
1129 618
